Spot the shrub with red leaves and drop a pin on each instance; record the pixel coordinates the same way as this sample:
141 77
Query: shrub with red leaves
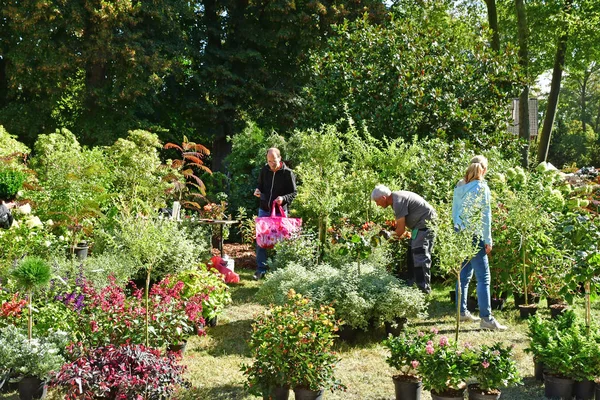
128 372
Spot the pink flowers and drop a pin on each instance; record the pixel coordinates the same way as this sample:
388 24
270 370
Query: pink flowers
443 341
434 330
429 349
485 364
415 364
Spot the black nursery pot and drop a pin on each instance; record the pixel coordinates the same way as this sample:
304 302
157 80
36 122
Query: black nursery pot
407 389
307 394
527 311
584 390
555 387
395 328
557 309
498 304
32 388
538 368
278 393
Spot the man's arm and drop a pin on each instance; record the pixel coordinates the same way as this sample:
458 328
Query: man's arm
291 189
401 231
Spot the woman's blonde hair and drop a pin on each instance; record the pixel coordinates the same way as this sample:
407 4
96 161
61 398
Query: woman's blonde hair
476 169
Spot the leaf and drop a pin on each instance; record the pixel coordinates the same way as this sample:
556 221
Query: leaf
173 146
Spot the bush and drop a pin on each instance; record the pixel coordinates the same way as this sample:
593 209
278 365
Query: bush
209 284
125 372
302 249
299 355
374 295
11 182
36 357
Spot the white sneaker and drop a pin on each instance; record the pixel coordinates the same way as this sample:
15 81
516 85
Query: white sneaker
492 324
468 317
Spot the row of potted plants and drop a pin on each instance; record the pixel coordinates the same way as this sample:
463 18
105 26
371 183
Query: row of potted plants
426 360
566 354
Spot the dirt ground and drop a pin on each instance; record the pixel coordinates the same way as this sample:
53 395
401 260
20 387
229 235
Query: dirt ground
243 254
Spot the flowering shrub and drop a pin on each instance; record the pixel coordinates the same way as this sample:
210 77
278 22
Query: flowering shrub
126 372
406 350
209 284
11 308
108 315
292 346
443 365
494 367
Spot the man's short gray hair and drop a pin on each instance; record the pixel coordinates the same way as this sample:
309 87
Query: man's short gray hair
380 191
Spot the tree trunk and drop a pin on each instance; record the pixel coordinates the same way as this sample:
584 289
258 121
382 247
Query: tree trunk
559 64
586 77
523 34
597 125
3 83
493 22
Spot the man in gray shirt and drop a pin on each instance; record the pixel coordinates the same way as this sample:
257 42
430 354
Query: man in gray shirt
412 212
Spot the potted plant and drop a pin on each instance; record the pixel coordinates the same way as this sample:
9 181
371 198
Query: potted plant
119 372
31 273
31 359
405 351
292 348
553 340
444 368
493 367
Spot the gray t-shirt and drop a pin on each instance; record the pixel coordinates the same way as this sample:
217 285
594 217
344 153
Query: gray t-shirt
412 206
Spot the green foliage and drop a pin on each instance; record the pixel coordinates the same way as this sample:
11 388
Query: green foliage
32 273
11 182
210 283
393 78
292 346
494 367
443 365
246 227
564 346
406 350
136 176
358 299
75 181
160 247
36 357
9 144
302 250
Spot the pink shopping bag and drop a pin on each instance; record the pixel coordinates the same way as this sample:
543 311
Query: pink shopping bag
270 230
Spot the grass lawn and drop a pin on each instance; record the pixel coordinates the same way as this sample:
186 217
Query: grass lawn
213 360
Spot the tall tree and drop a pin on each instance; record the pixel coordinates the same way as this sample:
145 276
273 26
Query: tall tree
557 71
523 35
492 13
253 61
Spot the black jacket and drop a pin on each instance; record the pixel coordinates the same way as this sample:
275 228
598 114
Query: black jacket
274 184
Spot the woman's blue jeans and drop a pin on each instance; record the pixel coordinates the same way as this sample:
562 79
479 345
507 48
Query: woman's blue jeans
480 265
261 254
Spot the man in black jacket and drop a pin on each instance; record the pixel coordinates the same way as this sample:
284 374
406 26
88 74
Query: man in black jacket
276 183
